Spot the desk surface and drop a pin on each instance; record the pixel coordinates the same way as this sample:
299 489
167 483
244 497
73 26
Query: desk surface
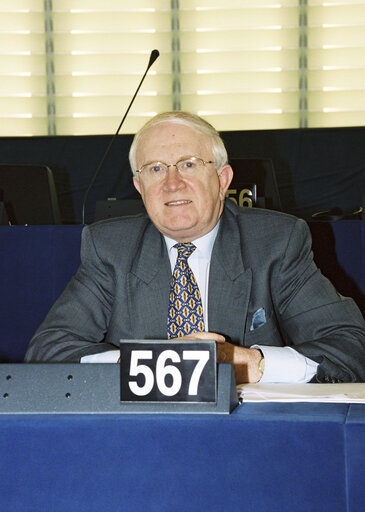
271 456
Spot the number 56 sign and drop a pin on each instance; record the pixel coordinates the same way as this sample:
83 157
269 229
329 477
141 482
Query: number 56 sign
167 371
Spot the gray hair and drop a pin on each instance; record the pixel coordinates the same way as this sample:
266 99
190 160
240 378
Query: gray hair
192 121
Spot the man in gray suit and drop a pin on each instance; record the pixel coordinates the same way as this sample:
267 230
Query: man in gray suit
265 303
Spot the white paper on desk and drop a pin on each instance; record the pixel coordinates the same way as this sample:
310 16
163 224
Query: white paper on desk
338 393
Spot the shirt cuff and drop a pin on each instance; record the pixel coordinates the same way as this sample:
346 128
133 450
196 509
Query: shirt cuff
111 356
286 365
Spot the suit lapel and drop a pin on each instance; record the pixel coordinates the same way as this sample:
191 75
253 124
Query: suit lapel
148 284
148 287
229 282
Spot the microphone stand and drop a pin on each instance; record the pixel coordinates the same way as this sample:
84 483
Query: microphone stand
154 55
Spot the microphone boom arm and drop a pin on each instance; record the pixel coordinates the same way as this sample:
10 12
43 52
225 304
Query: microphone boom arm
154 55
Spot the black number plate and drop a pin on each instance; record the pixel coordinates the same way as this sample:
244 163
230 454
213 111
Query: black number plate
168 371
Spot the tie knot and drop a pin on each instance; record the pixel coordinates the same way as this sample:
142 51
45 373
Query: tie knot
184 250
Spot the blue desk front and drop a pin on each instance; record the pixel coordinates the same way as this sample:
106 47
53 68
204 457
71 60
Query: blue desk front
262 457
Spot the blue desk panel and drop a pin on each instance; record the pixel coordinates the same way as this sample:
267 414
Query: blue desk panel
36 263
263 457
355 457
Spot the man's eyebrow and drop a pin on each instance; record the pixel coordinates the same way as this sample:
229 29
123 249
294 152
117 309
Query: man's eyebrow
151 162
184 157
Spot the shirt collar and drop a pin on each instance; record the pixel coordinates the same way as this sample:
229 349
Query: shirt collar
204 244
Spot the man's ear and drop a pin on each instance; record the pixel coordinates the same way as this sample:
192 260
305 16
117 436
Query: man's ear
225 177
136 184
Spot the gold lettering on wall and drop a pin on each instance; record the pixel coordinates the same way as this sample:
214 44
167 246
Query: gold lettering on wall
244 197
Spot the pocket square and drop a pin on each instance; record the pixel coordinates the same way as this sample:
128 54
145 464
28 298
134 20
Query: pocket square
258 319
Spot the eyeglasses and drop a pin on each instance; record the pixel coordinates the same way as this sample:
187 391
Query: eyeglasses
157 171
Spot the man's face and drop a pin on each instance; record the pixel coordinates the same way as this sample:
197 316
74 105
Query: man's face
183 208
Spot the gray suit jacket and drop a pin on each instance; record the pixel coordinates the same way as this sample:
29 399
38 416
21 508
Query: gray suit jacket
260 259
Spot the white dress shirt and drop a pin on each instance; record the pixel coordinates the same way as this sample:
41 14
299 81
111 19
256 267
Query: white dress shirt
282 364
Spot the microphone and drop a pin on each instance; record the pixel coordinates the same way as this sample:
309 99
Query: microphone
154 55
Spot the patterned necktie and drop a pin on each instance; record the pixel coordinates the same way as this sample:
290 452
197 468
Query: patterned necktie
185 309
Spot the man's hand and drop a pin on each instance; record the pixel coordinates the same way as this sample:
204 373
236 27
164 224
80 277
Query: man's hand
245 361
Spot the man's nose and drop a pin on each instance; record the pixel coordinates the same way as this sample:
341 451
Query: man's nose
173 179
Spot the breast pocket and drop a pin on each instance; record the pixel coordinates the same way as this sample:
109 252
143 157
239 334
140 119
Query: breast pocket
266 333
